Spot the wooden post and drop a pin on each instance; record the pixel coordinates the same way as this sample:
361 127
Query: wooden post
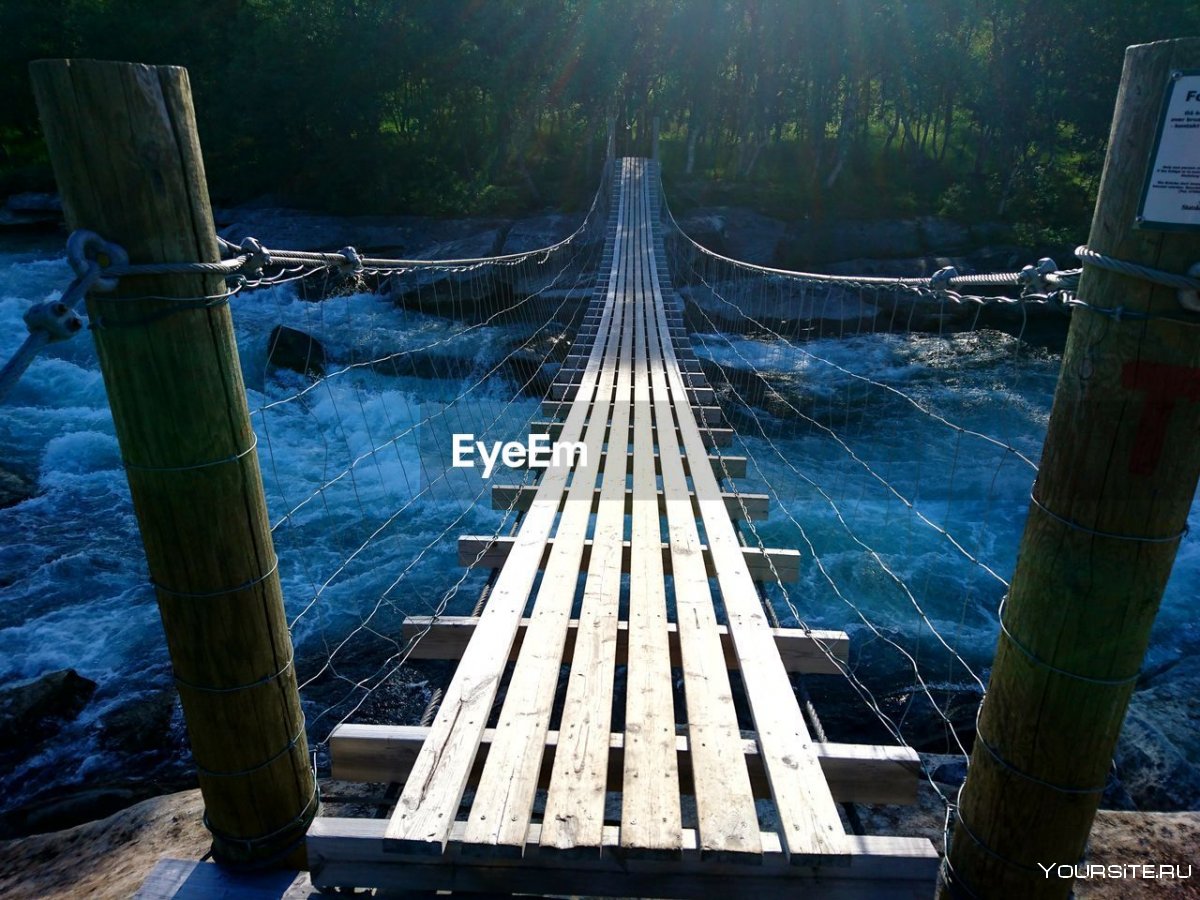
126 155
654 139
611 144
1117 479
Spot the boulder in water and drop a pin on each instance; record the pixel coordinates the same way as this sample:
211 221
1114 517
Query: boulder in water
811 242
34 202
143 723
33 709
739 233
290 348
31 212
1158 756
943 236
539 231
73 806
13 488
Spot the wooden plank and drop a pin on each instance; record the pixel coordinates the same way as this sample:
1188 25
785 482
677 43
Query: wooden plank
709 415
350 852
857 773
714 437
727 823
723 466
739 504
426 809
569 376
500 812
574 810
764 565
650 811
802 652
564 390
808 816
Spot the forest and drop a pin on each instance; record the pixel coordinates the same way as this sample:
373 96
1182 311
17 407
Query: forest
964 108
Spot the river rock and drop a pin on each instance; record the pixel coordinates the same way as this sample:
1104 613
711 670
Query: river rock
14 488
68 807
33 709
985 233
31 212
34 202
407 237
809 242
471 296
1158 756
475 245
290 348
533 364
735 232
290 229
1001 258
143 723
916 267
943 237
539 231
784 308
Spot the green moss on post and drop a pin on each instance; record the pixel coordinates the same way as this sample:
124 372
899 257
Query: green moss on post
126 155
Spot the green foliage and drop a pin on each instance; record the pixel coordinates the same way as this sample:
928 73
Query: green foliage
966 200
797 107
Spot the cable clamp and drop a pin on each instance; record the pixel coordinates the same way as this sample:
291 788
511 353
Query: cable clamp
1036 279
258 257
353 264
57 320
86 249
941 278
229 250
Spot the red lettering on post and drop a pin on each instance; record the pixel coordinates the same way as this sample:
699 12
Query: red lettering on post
1164 386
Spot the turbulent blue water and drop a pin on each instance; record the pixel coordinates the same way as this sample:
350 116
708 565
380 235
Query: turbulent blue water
842 459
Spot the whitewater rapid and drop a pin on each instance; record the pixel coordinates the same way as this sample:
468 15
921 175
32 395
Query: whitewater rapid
73 582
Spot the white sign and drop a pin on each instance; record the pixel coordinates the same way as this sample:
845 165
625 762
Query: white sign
1171 196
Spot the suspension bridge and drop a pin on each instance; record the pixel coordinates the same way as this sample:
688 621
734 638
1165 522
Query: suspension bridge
627 714
668 805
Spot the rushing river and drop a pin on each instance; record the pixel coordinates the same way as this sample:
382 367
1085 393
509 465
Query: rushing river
73 583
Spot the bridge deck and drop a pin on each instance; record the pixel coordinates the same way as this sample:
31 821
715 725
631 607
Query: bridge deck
600 775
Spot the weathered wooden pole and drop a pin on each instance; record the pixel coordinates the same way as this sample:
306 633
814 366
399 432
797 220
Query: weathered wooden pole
1117 478
126 156
610 147
654 139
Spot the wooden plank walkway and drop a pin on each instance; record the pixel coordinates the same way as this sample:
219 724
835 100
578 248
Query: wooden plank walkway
620 761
